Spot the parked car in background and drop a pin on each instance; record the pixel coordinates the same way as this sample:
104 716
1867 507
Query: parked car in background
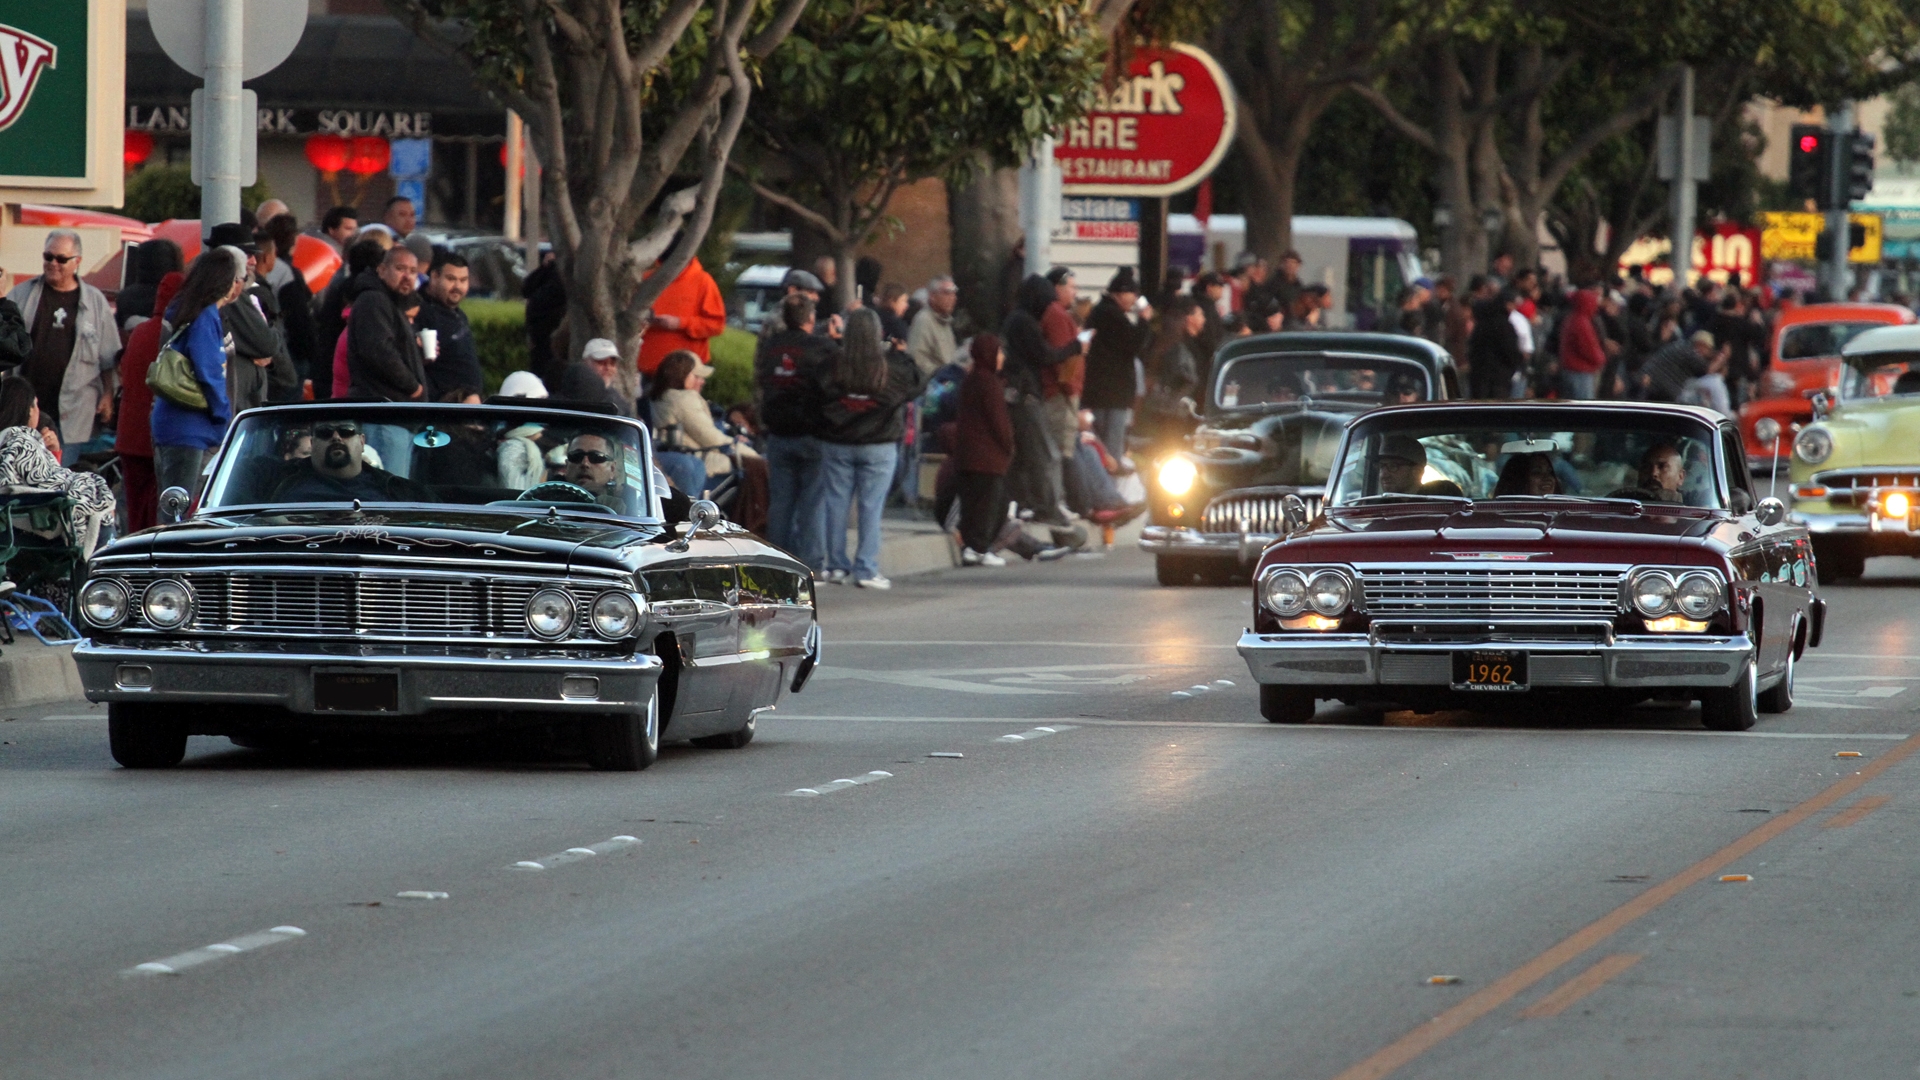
1856 469
1803 359
756 296
1476 553
1276 407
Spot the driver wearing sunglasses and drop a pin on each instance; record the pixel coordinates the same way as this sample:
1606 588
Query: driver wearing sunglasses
594 463
339 471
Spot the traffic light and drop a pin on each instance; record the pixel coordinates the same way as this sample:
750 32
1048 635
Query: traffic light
1810 166
1859 166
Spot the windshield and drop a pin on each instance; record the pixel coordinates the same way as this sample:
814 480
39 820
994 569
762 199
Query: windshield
1656 459
463 455
1253 381
1820 339
1879 376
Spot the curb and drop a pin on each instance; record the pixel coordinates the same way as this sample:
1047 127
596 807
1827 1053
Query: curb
36 674
907 552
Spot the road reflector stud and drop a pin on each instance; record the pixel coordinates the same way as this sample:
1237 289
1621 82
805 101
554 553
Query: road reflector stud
1443 980
420 894
1736 877
1848 753
946 754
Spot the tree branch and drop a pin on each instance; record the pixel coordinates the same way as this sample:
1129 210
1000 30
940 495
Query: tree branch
1420 136
791 205
762 44
665 35
1108 13
1633 112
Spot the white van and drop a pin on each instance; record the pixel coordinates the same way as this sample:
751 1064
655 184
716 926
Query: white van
1366 261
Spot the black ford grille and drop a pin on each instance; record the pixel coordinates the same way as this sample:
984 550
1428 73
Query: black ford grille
376 605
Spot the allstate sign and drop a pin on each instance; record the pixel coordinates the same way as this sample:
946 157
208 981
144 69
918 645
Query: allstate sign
62 88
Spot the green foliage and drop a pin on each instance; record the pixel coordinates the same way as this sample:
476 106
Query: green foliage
499 336
158 192
732 359
1902 129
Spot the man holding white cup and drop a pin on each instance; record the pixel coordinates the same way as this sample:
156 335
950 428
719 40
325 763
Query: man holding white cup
446 338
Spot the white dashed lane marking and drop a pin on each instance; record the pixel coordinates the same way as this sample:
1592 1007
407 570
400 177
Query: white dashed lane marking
576 854
1036 733
174 965
840 785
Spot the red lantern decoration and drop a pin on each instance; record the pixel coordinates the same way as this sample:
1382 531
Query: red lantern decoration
328 153
368 154
137 149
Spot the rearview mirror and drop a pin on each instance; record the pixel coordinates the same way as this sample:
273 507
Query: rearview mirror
173 505
1293 512
702 516
1771 511
1822 404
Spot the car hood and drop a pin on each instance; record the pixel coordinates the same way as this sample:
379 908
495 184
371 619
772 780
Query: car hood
1875 431
454 535
1544 532
1289 446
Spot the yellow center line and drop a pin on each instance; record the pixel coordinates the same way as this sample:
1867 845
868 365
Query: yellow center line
1581 985
1388 1059
1852 814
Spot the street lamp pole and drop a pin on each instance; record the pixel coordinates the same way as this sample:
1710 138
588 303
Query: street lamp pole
227 122
1839 271
1685 207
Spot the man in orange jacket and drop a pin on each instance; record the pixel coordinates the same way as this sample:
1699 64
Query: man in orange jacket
684 317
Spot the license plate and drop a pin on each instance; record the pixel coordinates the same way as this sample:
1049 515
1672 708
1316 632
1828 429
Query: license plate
1497 670
356 691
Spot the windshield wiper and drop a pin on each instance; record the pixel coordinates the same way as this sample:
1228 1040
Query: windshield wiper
1388 496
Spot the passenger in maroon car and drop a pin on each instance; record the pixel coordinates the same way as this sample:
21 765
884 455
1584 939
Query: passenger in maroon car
1528 474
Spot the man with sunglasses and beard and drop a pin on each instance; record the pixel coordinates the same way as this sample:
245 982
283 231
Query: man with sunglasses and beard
594 463
338 470
74 343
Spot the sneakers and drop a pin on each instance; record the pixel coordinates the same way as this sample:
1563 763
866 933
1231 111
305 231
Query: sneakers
874 583
970 557
1052 553
831 577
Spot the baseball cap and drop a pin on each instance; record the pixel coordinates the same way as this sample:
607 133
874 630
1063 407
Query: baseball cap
523 384
600 349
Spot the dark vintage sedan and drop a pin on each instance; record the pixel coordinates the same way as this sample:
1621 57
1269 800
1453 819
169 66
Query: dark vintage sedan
360 568
1275 408
1482 552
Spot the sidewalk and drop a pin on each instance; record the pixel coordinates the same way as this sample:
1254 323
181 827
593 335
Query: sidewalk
911 543
36 674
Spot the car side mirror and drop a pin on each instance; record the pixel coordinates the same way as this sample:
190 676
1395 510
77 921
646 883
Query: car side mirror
1293 512
173 505
1822 404
1771 511
702 516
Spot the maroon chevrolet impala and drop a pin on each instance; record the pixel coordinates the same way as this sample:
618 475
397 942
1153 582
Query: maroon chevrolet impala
1474 553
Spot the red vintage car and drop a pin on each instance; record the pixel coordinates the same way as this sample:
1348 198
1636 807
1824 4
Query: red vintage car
1476 553
1804 360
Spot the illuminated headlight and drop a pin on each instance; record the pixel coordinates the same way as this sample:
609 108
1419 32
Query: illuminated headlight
550 614
1698 595
167 604
1895 504
615 615
1329 592
104 603
1177 475
1765 430
1652 592
1284 593
1813 445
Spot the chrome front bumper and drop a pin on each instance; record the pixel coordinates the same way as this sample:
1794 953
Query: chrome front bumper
1180 540
426 683
1639 661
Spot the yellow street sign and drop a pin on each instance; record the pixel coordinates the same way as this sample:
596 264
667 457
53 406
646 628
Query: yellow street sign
1790 235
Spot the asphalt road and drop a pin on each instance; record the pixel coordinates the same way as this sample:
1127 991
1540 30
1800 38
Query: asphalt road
1141 885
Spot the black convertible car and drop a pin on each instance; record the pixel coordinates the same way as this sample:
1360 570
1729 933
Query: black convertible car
441 568
1277 405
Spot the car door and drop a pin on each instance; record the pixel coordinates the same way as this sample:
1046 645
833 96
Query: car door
693 596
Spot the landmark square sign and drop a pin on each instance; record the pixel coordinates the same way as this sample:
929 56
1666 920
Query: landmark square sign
1156 132
62 88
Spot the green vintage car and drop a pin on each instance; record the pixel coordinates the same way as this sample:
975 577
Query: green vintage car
1856 469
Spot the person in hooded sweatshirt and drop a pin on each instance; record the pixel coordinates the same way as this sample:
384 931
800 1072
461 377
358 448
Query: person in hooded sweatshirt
134 439
866 398
1581 355
1034 479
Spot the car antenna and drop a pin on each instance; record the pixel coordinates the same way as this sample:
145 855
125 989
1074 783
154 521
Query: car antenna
1773 482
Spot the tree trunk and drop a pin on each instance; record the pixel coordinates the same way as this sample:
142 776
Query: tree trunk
984 221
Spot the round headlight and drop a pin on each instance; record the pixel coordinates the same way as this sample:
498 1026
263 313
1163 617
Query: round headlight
1652 593
1697 596
1177 475
1765 430
167 604
1328 593
1284 593
1813 445
550 613
104 602
615 615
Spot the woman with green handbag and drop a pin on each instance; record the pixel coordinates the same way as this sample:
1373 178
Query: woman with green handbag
183 434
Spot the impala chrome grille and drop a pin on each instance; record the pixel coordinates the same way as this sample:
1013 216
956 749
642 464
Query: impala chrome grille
1251 512
1447 591
375 605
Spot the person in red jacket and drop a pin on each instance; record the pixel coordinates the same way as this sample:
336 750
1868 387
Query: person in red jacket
1581 357
134 439
686 316
983 449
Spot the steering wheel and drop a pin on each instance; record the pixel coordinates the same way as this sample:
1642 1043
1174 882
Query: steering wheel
553 491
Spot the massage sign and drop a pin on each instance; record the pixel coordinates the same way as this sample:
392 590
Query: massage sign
1156 132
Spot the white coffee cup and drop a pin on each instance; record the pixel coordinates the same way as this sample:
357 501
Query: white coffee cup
430 344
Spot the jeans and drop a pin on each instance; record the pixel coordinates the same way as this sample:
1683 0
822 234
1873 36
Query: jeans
1111 427
179 466
687 471
1580 385
394 444
796 520
856 479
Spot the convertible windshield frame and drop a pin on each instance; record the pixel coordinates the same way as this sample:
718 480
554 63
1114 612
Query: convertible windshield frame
641 492
1471 417
1324 357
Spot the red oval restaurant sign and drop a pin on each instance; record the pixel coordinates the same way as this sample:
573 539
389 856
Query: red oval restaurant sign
1158 132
